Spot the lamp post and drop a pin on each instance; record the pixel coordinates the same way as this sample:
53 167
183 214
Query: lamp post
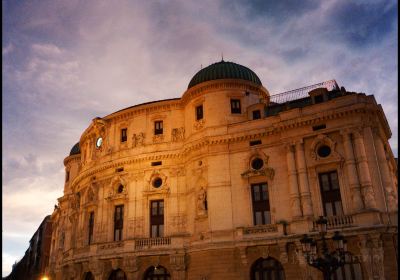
327 262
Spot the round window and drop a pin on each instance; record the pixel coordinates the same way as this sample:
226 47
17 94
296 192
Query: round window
157 182
99 141
324 151
257 163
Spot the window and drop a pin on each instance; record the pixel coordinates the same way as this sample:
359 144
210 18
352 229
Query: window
260 198
124 136
118 222
199 112
91 225
266 269
235 106
157 218
330 191
67 176
117 274
319 99
158 127
256 115
350 271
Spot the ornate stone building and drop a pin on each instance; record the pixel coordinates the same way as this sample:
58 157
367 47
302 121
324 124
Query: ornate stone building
223 182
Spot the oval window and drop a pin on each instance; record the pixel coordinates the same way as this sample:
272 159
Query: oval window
157 182
99 141
257 163
324 151
120 188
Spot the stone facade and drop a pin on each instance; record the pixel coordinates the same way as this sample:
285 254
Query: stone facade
203 170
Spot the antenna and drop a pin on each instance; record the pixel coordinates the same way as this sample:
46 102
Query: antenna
222 56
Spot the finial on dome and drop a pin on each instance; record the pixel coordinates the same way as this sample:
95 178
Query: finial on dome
222 56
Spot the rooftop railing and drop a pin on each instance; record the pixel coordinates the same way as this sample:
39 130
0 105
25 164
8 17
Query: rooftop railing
302 92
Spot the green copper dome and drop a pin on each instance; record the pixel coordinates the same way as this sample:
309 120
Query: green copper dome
224 70
75 150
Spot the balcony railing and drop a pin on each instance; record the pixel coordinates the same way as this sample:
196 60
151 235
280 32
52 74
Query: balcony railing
146 243
337 222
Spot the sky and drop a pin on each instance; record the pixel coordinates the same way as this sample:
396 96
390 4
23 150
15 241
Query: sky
67 62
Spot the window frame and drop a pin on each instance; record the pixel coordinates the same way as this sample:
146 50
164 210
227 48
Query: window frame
157 220
158 127
118 222
199 112
236 107
260 205
91 228
332 195
256 114
124 135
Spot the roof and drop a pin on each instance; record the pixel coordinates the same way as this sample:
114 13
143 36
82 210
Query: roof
224 70
75 150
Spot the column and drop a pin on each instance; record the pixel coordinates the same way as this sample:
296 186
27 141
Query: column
293 187
303 180
352 172
390 195
363 171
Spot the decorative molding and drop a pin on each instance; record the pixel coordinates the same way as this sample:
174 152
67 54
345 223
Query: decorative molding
178 134
158 138
138 140
199 124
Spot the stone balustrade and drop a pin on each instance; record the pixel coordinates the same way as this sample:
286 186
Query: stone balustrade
337 222
146 243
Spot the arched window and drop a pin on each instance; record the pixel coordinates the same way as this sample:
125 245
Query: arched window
88 276
350 271
156 273
267 269
117 274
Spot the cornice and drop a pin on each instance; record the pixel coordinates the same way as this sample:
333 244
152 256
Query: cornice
274 128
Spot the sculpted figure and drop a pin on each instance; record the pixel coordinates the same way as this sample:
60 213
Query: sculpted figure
202 201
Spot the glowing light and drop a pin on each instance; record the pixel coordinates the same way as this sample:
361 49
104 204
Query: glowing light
44 278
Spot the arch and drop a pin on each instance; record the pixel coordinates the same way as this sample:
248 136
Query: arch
88 276
267 269
117 274
157 273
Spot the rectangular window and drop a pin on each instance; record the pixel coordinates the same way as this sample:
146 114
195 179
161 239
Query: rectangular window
67 176
261 208
157 218
330 192
318 99
199 112
124 136
235 106
91 225
256 115
118 222
158 127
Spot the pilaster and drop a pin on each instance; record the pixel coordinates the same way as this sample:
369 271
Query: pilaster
303 180
293 186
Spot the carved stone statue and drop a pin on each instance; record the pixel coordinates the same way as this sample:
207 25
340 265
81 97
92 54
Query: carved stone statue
202 202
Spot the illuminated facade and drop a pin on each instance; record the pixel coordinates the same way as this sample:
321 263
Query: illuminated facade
223 182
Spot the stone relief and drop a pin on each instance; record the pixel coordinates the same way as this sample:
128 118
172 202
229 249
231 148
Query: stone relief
158 138
178 134
138 140
199 124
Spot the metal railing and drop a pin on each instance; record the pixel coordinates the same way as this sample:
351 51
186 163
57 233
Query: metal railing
152 242
302 92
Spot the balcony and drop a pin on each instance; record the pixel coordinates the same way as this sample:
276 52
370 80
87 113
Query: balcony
336 222
147 243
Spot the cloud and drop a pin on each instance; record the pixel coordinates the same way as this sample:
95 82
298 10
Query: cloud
9 48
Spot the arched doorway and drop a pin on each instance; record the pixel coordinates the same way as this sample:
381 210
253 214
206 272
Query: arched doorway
267 269
157 273
88 276
117 274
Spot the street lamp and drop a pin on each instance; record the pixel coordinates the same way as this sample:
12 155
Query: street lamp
327 262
